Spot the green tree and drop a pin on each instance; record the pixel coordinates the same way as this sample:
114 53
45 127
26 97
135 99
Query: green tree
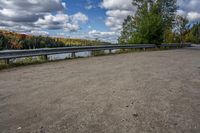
181 27
151 21
171 37
194 34
149 26
128 28
3 41
166 8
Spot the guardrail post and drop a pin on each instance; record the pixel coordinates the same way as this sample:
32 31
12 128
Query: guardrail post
144 49
110 51
7 61
73 55
45 57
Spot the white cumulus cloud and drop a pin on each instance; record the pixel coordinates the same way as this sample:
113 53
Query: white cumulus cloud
27 15
61 21
117 11
189 9
107 36
117 4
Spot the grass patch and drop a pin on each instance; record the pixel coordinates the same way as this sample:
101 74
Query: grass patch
22 62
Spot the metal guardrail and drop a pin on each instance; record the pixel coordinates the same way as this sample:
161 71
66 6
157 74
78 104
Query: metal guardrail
10 54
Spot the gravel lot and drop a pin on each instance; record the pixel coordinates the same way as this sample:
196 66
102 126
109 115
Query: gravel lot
144 92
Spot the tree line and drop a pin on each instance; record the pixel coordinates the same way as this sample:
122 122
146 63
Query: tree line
157 22
12 40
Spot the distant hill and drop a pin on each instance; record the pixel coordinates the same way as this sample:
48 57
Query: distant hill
12 40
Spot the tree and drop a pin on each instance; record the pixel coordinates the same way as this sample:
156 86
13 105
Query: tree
194 33
181 27
3 41
12 40
128 28
149 26
171 37
152 19
166 8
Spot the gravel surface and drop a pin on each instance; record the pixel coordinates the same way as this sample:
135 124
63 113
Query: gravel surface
146 92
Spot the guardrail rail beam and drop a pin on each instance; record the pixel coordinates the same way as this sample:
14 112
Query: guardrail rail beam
10 54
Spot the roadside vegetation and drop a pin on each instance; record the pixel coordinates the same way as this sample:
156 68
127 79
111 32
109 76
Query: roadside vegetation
157 22
25 61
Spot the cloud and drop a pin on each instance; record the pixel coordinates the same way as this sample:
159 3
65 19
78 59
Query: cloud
28 10
61 21
117 11
27 15
193 16
189 9
116 18
100 33
79 17
39 33
117 4
108 36
89 5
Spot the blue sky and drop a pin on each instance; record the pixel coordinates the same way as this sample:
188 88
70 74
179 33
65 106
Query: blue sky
88 19
92 9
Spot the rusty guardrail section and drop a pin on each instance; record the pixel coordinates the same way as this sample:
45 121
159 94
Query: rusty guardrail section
11 54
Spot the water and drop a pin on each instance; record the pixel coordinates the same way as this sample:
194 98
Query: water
62 56
68 55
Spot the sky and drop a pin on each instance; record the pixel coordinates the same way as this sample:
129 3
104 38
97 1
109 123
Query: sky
88 19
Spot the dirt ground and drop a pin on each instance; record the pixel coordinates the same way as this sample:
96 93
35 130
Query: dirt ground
146 92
